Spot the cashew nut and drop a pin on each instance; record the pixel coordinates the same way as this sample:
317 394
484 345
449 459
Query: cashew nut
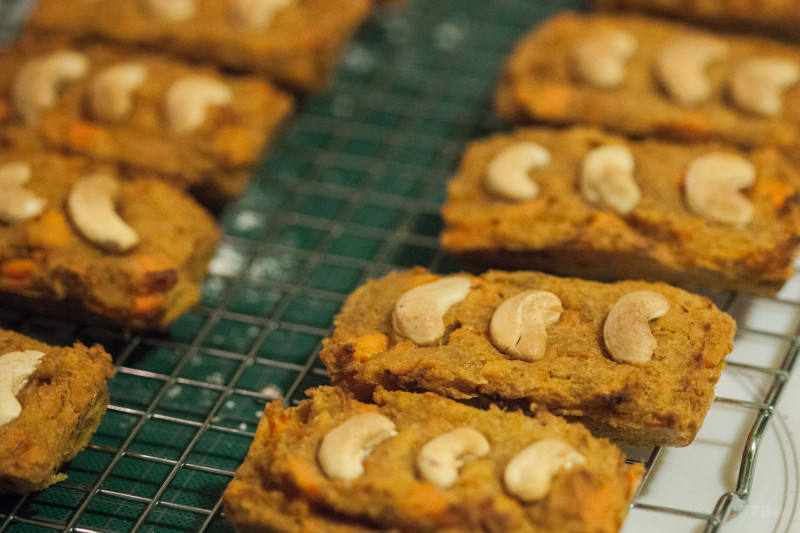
440 459
256 14
519 325
16 202
15 369
344 448
507 174
91 206
681 66
171 10
188 101
757 84
601 59
607 179
110 93
627 333
712 187
38 81
419 313
529 474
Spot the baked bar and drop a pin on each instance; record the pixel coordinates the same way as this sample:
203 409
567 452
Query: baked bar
648 77
74 235
658 229
55 412
293 42
287 482
190 125
771 15
430 340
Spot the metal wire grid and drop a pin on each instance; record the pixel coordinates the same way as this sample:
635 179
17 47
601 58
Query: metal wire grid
350 191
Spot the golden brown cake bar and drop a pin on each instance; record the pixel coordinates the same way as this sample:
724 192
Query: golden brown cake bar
781 15
78 238
660 228
301 472
52 415
293 42
648 77
189 125
487 338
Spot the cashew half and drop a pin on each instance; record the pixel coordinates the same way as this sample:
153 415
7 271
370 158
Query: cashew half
681 66
607 179
188 101
171 10
440 459
519 325
419 313
626 333
601 59
16 202
91 206
712 188
110 93
507 174
344 448
15 369
256 14
757 85
529 474
38 81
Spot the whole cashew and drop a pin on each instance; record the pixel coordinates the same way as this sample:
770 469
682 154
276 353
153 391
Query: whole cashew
344 448
681 66
256 14
529 474
757 84
418 314
712 187
507 174
188 101
627 333
91 206
16 202
440 459
37 83
607 179
110 93
601 59
519 325
15 369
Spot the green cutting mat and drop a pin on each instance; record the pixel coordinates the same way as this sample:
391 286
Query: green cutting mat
350 191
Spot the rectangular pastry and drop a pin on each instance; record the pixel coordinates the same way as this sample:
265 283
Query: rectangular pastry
51 401
190 125
648 77
781 15
334 464
292 42
634 361
580 202
79 238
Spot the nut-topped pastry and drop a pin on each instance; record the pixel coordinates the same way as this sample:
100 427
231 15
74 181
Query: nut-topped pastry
607 208
188 125
420 462
633 361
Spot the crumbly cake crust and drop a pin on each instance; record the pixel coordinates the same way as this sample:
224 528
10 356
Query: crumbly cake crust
539 84
298 48
661 239
661 403
281 486
47 265
214 158
62 404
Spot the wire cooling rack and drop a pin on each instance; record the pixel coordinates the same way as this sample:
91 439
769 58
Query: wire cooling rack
350 191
